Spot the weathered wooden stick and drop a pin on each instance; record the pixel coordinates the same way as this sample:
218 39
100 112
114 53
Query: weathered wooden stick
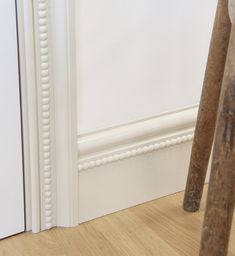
221 194
205 127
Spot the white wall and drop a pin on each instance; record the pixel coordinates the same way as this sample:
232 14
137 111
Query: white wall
139 58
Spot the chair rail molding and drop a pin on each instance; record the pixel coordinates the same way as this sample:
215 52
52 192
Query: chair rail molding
48 95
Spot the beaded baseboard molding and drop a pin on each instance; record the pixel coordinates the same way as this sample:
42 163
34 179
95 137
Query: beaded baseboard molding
135 139
139 150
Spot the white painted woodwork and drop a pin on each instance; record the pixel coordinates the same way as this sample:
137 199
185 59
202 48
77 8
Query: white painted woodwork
130 164
11 171
47 60
125 165
133 139
132 181
139 58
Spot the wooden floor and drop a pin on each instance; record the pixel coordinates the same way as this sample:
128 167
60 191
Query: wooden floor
159 228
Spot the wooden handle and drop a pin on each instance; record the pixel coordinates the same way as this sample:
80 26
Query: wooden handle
221 193
204 132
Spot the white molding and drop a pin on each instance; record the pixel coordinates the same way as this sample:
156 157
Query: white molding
132 181
45 112
49 112
131 164
64 68
29 113
134 151
134 163
129 140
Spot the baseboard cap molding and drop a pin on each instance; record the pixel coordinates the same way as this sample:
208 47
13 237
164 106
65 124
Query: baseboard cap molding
137 138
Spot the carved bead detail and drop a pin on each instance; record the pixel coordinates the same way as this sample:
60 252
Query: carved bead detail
134 152
45 109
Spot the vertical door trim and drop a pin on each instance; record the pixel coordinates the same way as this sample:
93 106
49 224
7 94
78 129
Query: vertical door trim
48 82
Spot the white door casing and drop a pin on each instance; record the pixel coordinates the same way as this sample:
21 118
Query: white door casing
47 61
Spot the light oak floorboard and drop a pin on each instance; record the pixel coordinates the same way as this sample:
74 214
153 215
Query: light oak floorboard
159 228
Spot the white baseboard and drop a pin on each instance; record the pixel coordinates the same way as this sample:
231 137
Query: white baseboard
134 163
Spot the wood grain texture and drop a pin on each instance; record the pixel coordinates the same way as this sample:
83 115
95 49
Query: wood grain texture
207 114
157 228
221 195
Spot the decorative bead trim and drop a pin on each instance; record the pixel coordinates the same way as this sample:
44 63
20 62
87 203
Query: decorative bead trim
42 16
85 165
